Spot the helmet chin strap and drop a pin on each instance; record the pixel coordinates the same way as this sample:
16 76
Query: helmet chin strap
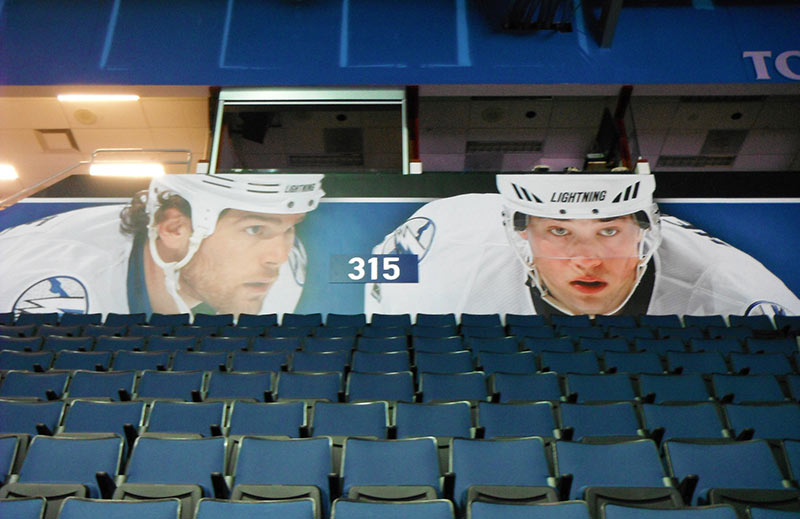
172 269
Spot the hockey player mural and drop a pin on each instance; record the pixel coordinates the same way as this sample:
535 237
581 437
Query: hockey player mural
190 243
571 243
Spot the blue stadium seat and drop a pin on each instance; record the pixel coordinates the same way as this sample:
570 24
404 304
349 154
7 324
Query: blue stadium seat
602 345
683 334
391 362
660 321
500 344
659 346
9 449
199 360
529 321
31 344
513 470
28 385
427 509
173 468
213 320
580 362
184 419
701 362
533 332
168 385
626 472
71 319
349 332
518 419
442 420
158 319
391 387
793 382
21 417
747 388
149 330
640 362
334 320
562 510
101 385
599 388
452 362
276 343
761 363
240 331
435 320
366 419
739 333
267 419
50 330
724 346
704 321
698 420
620 321
787 323
438 344
771 513
82 508
25 508
290 331
737 473
115 344
419 330
89 360
629 334
390 469
382 344
7 318
322 361
250 385
523 362
616 420
293 320
85 416
161 343
481 320
188 330
25 318
580 332
792 449
22 330
140 360
439 387
258 321
226 344
402 320
373 330
96 330
525 388
785 345
543 344
273 361
673 388
754 322
273 469
289 509
26 361
483 332
325 344
779 421
611 511
575 321
310 386
116 319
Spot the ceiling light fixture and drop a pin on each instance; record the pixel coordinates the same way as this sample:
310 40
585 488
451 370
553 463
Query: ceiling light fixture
7 172
97 97
126 169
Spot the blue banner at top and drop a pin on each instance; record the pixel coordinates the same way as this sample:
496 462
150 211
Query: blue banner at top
351 42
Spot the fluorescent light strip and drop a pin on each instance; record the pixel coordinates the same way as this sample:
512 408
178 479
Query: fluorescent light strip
126 169
97 97
7 172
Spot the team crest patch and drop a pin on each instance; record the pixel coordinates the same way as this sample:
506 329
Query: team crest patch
765 308
62 294
298 261
413 237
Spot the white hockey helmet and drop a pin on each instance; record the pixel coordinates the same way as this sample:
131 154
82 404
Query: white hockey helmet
580 195
210 195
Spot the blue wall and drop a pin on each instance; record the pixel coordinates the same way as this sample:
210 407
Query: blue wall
326 42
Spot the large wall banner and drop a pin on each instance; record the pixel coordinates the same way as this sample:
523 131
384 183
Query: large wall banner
543 244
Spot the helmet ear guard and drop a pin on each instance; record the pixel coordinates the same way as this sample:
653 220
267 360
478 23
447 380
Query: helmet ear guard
520 221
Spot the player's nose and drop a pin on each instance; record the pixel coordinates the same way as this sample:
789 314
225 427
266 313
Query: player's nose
276 250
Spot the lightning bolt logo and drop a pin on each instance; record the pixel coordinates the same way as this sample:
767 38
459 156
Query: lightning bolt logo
413 237
61 294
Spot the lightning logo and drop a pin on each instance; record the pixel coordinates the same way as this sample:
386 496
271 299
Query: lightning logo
62 294
413 237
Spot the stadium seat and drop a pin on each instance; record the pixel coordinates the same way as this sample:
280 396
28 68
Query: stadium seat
30 344
500 344
620 321
96 330
382 344
226 344
58 467
580 332
161 343
518 419
276 343
599 388
188 330
529 321
25 508
701 362
534 332
600 346
787 323
301 320
372 330
184 419
683 334
149 330
419 330
310 386
525 388
89 360
738 473
660 321
483 332
543 344
769 513
793 382
326 344
761 363
659 346
173 468
258 321
452 362
629 334
511 470
22 417
289 509
779 421
704 321
349 332
22 330
25 318
739 333
115 319
611 511
7 318
390 469
574 321
299 332
199 360
168 385
36 386
249 385
438 344
440 387
322 361
115 344
562 510
86 416
26 361
427 509
402 320
673 388
435 320
390 387
623 473
9 451
70 319
480 320
213 320
52 330
444 421
754 322
280 419
725 346
792 449
240 331
786 345
339 421
697 420
272 469
583 362
82 508
173 320
390 362
747 388
336 320
273 361
113 385
640 362
522 362
617 420
140 360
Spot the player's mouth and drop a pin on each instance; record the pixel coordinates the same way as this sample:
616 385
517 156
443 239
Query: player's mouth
589 286
259 287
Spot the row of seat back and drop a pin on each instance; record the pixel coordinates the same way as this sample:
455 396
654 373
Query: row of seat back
522 470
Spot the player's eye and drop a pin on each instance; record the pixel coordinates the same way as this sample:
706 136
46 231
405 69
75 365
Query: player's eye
254 230
611 231
558 231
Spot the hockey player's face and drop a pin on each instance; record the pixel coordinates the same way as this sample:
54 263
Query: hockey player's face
587 266
235 267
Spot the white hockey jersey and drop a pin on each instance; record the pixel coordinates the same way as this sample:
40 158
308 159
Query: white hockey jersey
467 265
78 262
